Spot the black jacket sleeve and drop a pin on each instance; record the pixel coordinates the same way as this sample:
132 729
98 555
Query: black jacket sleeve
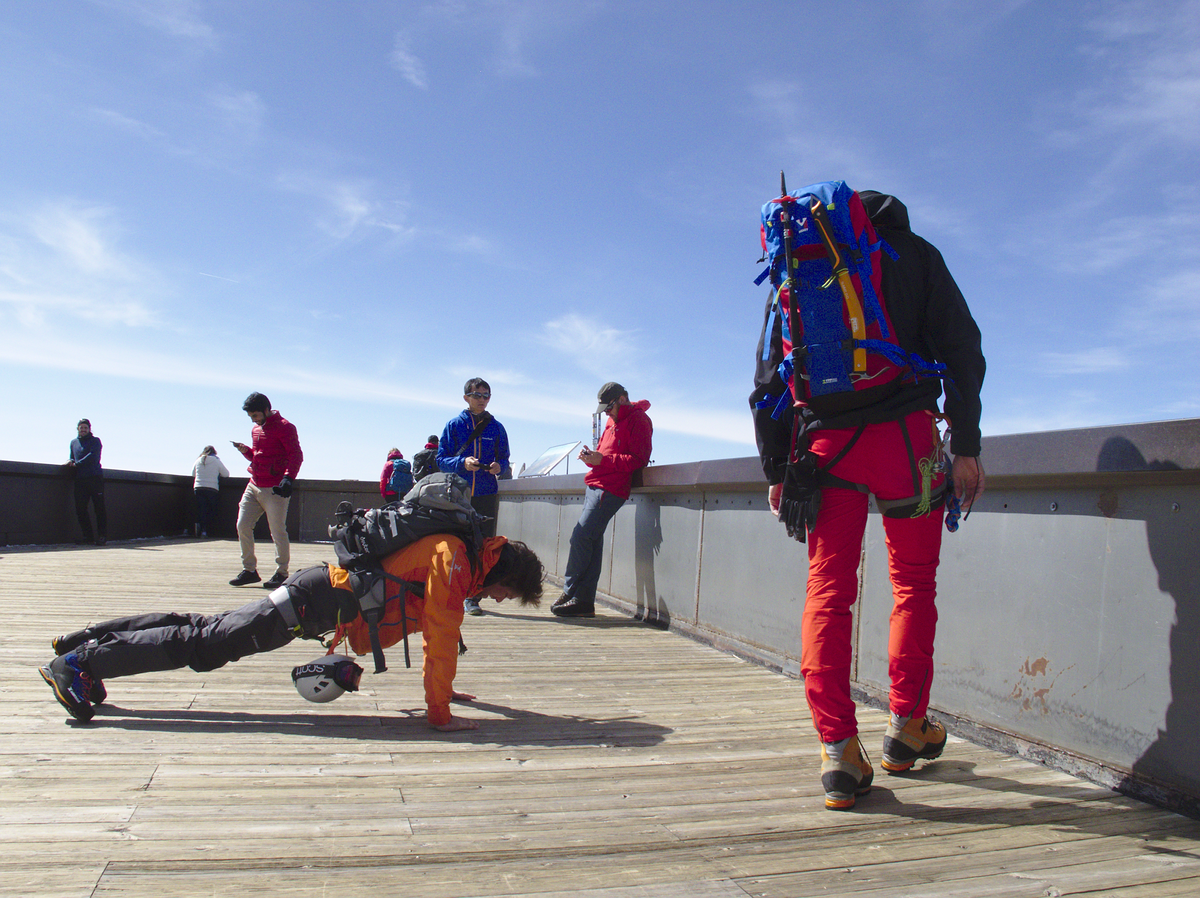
931 318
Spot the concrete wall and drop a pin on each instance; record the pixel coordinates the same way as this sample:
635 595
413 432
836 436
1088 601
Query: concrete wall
37 505
1069 601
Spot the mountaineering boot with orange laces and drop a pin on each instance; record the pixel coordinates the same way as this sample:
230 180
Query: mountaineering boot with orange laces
845 773
911 739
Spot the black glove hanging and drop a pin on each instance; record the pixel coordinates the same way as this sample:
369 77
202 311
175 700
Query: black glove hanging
800 498
284 489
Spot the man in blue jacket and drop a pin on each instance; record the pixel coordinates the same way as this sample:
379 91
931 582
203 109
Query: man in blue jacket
474 445
89 482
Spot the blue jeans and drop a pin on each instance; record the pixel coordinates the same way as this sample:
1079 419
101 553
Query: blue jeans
586 557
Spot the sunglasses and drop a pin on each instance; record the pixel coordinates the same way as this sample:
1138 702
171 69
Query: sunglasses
480 395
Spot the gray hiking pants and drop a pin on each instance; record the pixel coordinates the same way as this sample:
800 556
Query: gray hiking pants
166 641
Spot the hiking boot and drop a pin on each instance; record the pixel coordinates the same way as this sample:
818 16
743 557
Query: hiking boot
97 695
845 773
573 608
245 578
69 642
71 684
908 741
275 582
471 606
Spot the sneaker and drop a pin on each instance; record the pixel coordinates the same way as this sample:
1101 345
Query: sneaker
573 608
71 684
245 578
845 773
907 741
471 606
561 600
275 582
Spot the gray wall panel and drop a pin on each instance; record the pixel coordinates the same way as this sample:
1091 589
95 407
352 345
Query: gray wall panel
535 521
753 577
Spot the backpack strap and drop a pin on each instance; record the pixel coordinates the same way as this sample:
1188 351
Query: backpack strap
484 420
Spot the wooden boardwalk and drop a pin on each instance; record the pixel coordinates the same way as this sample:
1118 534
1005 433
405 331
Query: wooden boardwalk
613 761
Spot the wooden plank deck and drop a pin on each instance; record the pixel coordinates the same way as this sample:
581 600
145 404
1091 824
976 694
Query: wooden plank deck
613 761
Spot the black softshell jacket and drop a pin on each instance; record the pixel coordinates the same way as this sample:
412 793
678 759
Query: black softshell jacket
930 317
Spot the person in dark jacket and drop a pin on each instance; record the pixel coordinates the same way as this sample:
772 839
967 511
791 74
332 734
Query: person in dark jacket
89 482
425 460
624 448
275 458
877 437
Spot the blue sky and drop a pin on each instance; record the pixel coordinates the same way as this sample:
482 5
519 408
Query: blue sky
353 206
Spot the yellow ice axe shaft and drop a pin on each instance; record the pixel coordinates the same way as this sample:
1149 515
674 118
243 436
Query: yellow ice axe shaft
854 310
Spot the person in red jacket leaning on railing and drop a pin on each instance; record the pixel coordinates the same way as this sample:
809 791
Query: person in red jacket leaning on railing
275 459
624 448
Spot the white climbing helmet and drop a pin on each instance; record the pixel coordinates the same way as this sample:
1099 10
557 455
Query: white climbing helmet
326 678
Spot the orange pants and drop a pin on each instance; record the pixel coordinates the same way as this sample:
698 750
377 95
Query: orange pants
880 460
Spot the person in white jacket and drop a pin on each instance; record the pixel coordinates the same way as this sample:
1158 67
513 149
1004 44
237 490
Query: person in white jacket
207 474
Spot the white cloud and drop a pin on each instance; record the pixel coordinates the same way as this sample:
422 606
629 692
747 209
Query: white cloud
349 208
177 18
1102 360
407 63
242 111
786 109
593 345
82 236
61 263
1148 57
125 123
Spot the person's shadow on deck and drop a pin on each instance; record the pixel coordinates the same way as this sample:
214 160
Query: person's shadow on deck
1074 807
513 727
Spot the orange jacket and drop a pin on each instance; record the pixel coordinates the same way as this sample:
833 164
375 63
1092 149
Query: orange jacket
442 564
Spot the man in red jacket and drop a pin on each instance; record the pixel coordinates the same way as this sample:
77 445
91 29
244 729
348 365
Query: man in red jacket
624 448
275 459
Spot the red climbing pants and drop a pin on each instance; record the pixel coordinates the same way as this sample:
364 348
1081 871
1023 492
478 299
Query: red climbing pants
880 459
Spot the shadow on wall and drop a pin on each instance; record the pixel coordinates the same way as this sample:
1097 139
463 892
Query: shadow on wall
647 539
1175 559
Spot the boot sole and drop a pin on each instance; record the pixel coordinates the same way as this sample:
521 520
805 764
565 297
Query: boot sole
844 804
62 700
892 766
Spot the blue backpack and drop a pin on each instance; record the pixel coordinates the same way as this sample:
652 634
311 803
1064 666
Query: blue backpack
837 336
401 480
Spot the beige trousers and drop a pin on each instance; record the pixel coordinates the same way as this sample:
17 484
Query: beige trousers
254 503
